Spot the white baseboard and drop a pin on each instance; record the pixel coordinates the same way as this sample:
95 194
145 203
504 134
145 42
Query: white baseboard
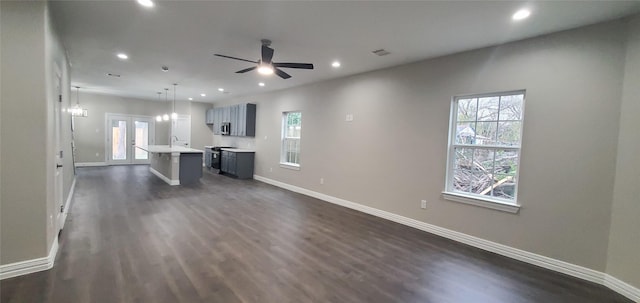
68 202
532 258
90 164
622 287
163 177
30 266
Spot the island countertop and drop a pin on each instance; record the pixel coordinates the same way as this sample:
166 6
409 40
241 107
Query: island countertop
169 149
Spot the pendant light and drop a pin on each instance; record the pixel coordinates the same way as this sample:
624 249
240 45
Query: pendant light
159 117
174 115
76 110
165 117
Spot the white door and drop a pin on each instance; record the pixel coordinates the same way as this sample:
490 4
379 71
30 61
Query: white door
59 173
124 133
181 131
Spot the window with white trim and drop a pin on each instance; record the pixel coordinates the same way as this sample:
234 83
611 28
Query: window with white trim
484 146
291 130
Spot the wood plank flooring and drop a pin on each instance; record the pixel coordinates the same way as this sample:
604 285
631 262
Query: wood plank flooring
132 238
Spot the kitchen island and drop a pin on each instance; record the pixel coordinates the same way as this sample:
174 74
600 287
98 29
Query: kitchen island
175 165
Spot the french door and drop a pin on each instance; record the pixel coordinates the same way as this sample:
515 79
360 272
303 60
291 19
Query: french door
124 133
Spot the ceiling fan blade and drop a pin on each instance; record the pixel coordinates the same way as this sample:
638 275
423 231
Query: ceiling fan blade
246 70
282 74
294 65
229 57
267 54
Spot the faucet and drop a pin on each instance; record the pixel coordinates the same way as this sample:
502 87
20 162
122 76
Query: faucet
175 137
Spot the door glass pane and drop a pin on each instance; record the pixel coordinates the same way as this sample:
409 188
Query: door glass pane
119 140
141 139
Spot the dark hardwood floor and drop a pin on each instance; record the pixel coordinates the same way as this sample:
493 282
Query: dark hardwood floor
132 238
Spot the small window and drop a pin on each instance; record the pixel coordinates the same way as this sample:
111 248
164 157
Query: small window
291 130
484 147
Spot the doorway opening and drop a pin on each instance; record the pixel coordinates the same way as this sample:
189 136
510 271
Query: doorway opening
124 133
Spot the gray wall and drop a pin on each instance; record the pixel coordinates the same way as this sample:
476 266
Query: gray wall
624 240
394 152
90 132
30 49
201 133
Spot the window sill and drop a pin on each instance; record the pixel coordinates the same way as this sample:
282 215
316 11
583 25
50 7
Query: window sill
493 204
290 166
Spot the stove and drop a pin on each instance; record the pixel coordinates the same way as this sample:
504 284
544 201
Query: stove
213 155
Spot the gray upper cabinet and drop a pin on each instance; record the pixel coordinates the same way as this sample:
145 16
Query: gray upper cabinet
210 118
218 118
241 116
233 118
248 119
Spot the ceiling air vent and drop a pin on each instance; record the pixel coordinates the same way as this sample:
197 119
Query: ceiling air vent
381 52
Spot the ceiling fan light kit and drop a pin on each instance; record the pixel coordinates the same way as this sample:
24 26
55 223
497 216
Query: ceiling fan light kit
265 69
266 66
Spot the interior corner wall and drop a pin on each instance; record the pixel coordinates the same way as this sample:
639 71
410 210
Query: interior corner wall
394 152
90 131
24 130
624 239
56 65
201 132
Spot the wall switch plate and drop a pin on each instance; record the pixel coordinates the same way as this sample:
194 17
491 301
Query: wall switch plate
270 169
423 204
97 154
321 180
349 118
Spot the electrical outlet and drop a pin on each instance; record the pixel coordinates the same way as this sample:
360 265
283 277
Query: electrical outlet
270 169
97 154
423 204
321 180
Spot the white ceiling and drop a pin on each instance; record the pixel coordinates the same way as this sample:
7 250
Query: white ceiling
184 35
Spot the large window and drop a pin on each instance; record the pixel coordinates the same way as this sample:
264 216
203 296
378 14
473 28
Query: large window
291 130
484 149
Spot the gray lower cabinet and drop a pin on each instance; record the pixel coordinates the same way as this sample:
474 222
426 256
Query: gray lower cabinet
239 164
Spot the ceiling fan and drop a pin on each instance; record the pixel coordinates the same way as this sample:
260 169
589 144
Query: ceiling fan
265 66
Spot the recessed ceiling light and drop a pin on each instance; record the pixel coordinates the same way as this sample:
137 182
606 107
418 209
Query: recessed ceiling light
190 99
521 14
221 89
123 56
335 64
146 3
203 95
261 84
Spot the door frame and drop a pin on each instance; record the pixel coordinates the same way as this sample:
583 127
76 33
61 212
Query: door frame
130 148
58 157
